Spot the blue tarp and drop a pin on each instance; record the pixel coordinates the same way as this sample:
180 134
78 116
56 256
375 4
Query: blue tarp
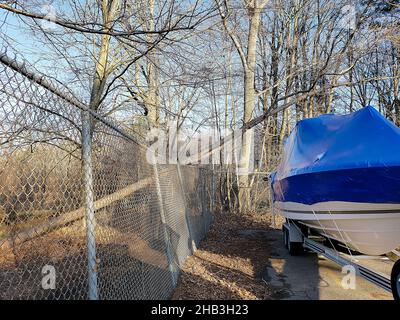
331 142
354 157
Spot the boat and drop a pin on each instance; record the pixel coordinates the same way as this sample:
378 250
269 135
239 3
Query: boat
340 177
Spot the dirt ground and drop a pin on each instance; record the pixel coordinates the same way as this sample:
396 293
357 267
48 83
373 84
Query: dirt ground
230 262
243 257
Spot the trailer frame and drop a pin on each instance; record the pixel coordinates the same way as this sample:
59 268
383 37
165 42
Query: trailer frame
296 241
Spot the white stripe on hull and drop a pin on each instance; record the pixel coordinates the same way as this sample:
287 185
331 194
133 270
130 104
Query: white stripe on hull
372 229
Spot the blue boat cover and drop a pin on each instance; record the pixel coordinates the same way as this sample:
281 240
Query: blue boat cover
362 139
354 158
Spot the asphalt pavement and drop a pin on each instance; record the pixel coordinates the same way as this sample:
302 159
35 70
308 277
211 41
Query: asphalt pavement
312 277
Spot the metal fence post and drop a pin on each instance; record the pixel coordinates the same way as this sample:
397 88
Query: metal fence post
271 203
204 199
213 191
188 222
89 206
170 255
213 198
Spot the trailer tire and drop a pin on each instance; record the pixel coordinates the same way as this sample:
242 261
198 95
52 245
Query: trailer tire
295 248
395 280
285 232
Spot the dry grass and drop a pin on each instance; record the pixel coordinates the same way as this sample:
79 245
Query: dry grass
230 262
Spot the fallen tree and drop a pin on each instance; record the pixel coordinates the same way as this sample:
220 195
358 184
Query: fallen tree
62 220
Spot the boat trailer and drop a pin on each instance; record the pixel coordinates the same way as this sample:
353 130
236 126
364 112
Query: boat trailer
297 239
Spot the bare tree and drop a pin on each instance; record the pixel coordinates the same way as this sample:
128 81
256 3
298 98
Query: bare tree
120 32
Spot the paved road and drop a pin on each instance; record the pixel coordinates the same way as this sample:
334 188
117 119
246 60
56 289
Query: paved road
311 277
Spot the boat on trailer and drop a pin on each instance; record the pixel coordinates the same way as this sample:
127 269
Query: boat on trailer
339 180
340 177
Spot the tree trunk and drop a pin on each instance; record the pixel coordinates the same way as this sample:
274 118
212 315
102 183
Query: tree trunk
109 9
248 112
152 101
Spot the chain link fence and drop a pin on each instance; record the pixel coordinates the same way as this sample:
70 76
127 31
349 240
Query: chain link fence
83 214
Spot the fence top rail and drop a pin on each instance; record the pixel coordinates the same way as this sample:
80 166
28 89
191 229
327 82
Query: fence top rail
26 70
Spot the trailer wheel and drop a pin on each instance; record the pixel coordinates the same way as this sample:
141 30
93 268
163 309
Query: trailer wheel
395 280
295 248
285 237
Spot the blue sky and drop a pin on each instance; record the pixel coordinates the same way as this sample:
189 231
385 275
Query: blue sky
22 41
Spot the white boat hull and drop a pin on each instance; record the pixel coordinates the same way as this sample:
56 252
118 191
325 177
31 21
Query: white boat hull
372 229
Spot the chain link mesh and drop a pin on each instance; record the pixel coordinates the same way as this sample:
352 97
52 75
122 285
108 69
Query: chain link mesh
90 218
